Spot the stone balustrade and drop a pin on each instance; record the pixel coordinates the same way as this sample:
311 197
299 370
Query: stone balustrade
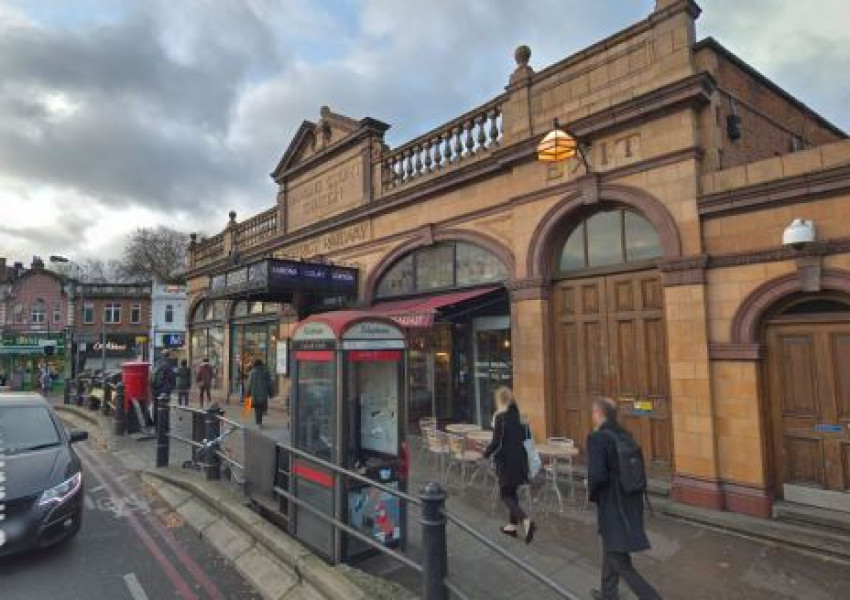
208 250
258 228
472 135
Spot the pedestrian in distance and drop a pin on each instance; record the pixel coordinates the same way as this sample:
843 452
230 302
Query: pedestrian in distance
260 387
183 383
46 381
508 451
163 381
616 482
204 377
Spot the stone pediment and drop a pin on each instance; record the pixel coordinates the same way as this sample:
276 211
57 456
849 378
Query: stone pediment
313 138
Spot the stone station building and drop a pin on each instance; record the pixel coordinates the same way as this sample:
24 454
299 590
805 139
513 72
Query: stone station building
655 274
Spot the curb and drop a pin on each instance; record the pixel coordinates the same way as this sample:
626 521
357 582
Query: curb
329 582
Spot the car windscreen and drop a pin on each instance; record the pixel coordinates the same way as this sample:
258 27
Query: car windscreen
25 428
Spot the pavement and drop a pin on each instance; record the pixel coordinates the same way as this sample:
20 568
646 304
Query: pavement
698 555
687 559
272 563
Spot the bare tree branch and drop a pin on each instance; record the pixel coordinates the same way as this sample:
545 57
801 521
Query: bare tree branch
155 254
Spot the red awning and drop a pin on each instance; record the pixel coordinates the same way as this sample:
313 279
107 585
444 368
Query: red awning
419 312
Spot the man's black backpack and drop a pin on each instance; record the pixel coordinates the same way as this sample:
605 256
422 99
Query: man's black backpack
632 471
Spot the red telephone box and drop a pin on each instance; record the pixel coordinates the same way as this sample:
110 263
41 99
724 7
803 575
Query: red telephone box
347 407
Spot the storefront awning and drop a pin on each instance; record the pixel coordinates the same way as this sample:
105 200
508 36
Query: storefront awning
420 312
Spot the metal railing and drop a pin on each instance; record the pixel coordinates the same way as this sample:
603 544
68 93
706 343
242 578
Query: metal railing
433 569
430 501
209 430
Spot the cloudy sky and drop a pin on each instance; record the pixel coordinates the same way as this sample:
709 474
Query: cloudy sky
123 113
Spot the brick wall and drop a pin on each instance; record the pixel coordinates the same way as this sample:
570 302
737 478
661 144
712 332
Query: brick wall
770 118
26 291
126 325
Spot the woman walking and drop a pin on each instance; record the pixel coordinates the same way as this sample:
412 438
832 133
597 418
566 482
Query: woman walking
508 451
259 389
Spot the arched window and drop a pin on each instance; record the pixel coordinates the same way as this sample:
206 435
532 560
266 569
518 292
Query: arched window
208 310
442 266
607 238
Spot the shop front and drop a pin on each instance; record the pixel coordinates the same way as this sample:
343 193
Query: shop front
206 333
253 336
23 357
109 352
451 300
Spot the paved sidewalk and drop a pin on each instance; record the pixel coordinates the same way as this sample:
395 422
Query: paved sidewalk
686 561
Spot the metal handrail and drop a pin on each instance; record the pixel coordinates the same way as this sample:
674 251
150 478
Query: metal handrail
348 473
517 562
206 444
348 529
462 525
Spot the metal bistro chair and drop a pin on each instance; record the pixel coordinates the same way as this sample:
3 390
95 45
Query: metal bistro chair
426 424
438 449
462 457
557 468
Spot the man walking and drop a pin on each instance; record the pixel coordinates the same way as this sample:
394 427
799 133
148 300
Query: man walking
204 378
163 378
260 388
616 482
184 383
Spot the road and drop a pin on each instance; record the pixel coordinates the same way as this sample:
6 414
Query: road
131 546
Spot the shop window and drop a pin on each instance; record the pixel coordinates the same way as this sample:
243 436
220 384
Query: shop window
136 314
610 238
37 312
443 266
112 313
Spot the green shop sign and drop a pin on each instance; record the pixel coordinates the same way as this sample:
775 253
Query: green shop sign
31 343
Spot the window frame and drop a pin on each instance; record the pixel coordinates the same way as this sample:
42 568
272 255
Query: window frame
168 315
415 256
625 265
88 309
57 313
38 312
115 309
136 313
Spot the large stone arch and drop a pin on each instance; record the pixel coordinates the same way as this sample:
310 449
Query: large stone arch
746 324
428 237
551 231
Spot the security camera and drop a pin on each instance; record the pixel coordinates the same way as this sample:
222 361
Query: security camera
799 233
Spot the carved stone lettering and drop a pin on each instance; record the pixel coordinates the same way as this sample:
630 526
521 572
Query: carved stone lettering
330 242
318 197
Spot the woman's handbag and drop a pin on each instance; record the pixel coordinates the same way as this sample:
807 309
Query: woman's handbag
534 461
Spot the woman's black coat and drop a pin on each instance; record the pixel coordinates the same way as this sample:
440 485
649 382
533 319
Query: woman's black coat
621 530
508 449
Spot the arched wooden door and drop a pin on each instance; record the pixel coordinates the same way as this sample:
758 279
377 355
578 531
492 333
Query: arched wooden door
609 339
808 385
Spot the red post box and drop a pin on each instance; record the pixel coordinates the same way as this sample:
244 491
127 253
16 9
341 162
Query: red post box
136 377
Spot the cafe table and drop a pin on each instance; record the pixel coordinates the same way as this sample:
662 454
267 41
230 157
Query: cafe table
556 455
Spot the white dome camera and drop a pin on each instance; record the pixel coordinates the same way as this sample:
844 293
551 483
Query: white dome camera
799 233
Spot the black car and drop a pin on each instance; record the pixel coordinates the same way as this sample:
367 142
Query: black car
44 478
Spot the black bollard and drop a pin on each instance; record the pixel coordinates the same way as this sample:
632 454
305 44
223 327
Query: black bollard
212 429
120 415
162 409
66 398
435 565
